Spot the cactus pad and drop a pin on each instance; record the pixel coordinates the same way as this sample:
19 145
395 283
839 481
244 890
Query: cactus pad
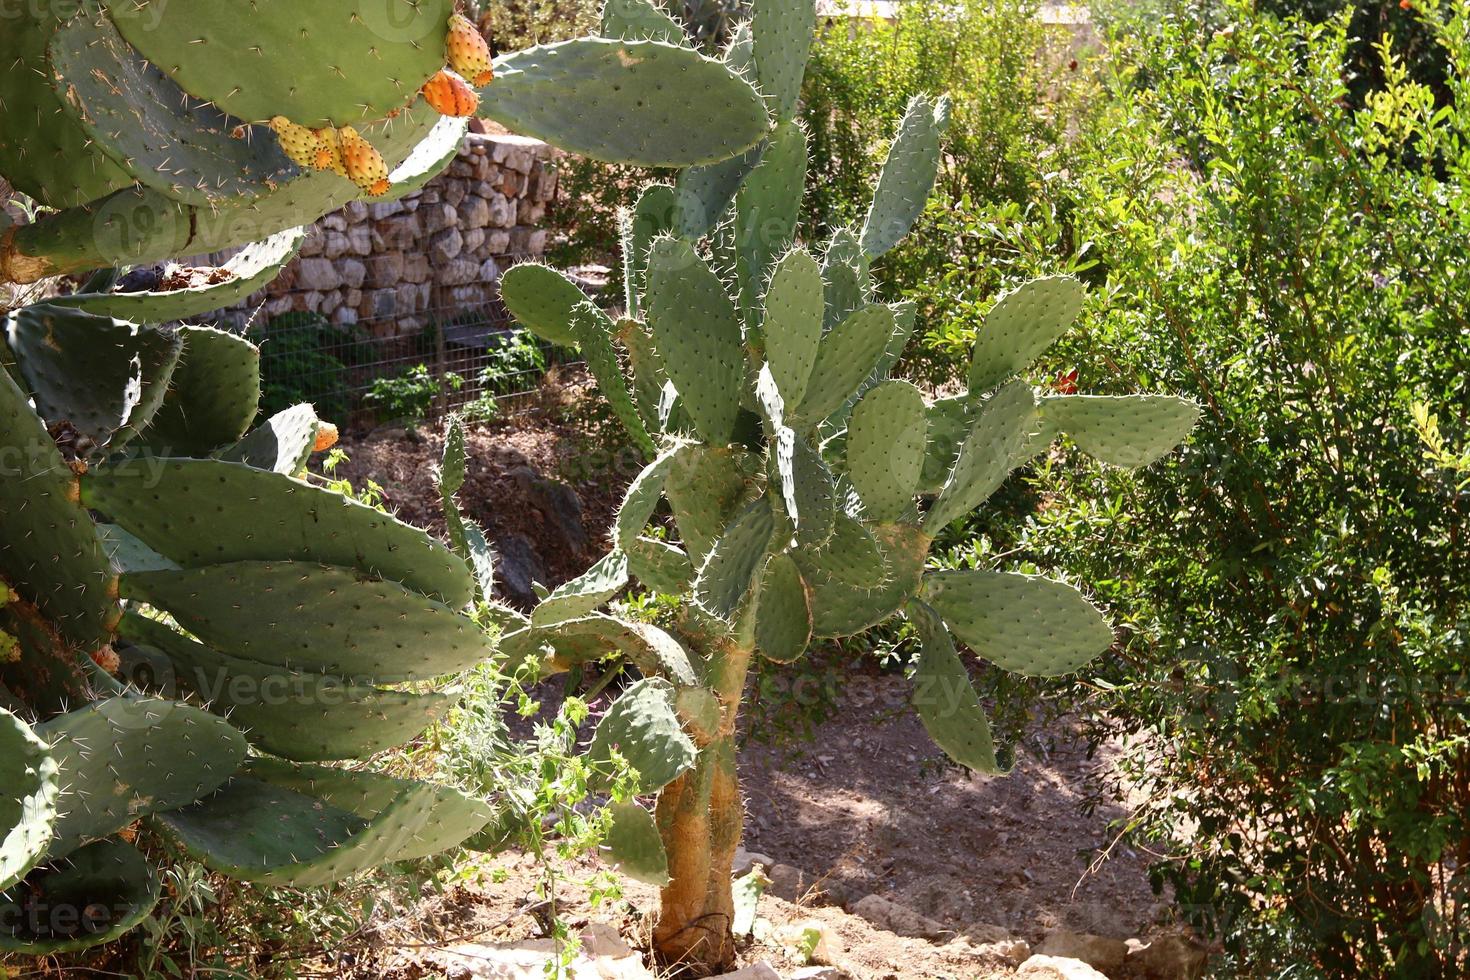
659 565
1023 323
642 499
542 300
314 617
783 624
213 398
105 377
28 802
123 757
793 323
96 895
697 332
328 63
634 847
247 272
839 609
207 511
654 652
643 726
885 449
1124 430
644 103
908 174
844 360
281 444
1003 427
705 487
945 697
639 20
586 592
1024 623
781 38
767 206
705 193
594 330
727 572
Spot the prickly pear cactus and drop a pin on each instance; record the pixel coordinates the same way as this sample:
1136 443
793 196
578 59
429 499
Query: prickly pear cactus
163 128
805 484
175 593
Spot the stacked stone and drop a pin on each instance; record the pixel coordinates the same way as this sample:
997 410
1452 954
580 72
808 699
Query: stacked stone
388 265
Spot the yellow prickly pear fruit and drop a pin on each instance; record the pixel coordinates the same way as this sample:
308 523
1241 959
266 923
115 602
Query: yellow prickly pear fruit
364 164
329 151
298 142
326 437
451 94
467 51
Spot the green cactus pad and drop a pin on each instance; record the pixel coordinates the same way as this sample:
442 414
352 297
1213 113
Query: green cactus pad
1124 430
285 834
1024 322
793 323
642 498
99 893
700 711
184 148
45 527
697 331
123 757
704 193
851 556
705 487
428 158
213 398
207 511
465 536
767 206
659 565
542 300
103 376
28 801
129 553
335 63
644 103
949 421
781 39
1003 427
594 330
783 623
845 359
586 592
655 214
247 272
807 488
643 726
640 20
885 449
303 717
649 377
729 568
313 617
846 284
908 174
945 697
1023 623
634 847
654 652
54 163
281 444
839 609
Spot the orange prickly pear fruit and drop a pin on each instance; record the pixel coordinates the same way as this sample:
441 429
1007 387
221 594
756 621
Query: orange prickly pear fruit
467 51
329 151
451 94
326 437
364 164
298 142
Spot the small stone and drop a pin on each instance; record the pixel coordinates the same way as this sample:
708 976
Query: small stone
385 270
498 243
502 211
896 918
458 272
489 272
438 217
416 268
454 192
336 245
397 234
317 273
821 973
360 240
530 213
384 209
474 213
1044 967
446 246
745 860
756 971
355 211
1009 952
1099 952
352 271
1170 956
474 239
335 221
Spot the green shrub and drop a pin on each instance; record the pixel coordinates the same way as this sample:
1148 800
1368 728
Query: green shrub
1296 650
306 359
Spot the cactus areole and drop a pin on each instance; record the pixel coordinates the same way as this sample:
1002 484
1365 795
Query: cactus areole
792 487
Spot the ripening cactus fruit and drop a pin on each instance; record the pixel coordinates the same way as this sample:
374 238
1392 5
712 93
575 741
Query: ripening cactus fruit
466 51
451 95
363 163
301 144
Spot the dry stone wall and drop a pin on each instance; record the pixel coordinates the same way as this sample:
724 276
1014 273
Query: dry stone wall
393 266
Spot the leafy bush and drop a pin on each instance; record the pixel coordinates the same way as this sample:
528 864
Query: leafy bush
409 397
1296 646
306 359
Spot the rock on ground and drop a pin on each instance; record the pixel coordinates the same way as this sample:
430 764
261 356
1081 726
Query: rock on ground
1041 967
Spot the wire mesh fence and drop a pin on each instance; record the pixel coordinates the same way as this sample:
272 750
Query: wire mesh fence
374 372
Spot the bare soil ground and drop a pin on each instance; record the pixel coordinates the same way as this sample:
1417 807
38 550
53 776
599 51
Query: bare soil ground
867 806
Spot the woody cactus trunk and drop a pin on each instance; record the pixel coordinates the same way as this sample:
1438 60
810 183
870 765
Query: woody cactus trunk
804 484
192 632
